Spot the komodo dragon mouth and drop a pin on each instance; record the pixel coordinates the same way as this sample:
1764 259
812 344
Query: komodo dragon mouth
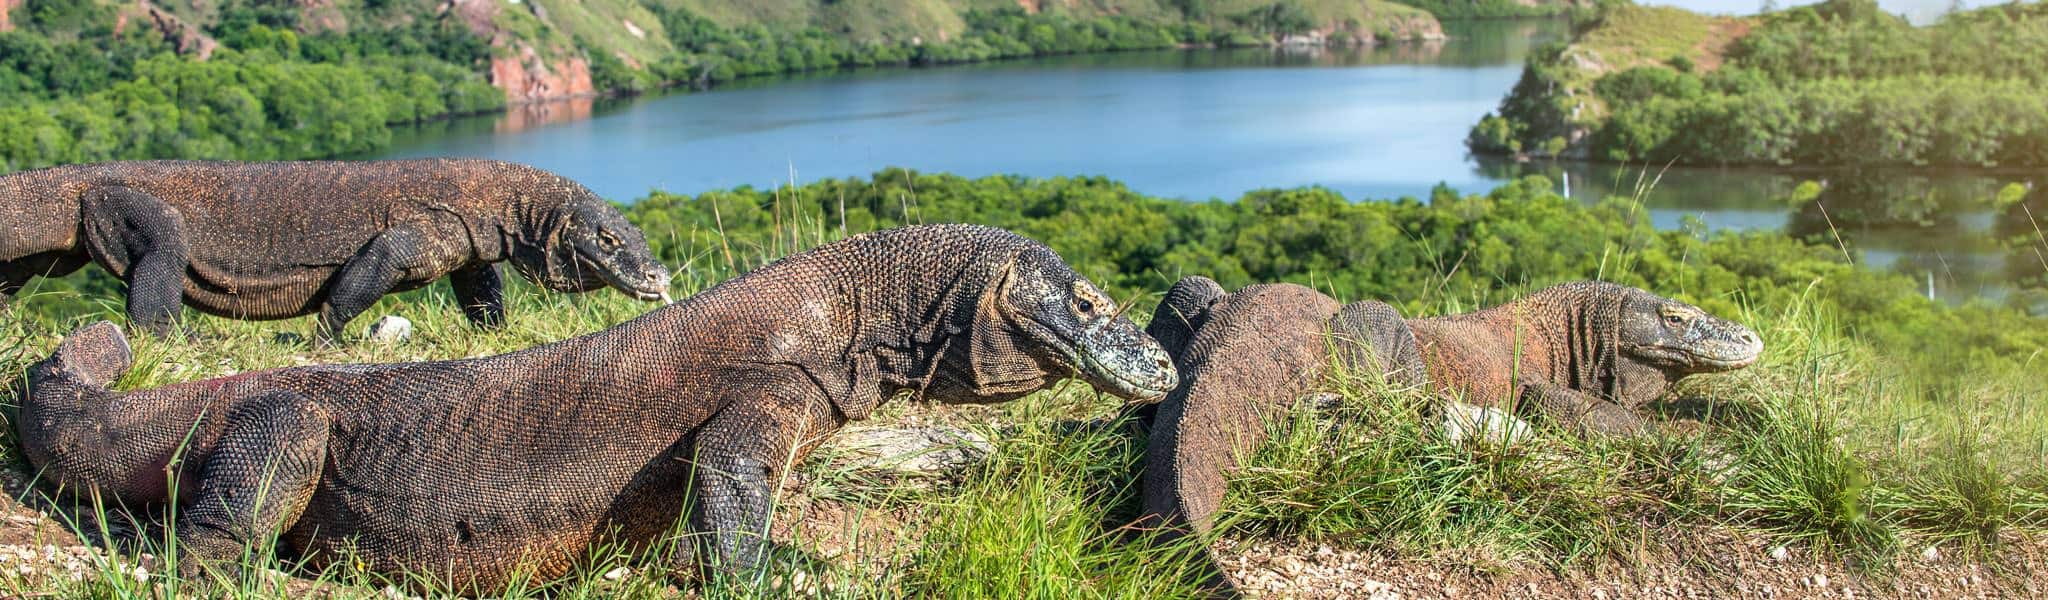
1681 336
1127 368
650 287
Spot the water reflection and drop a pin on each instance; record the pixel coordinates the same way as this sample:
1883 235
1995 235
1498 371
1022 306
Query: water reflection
1968 232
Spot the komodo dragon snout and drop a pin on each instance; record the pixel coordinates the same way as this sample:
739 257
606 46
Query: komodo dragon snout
1682 339
1067 326
596 247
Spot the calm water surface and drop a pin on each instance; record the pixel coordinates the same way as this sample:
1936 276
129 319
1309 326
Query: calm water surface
1373 124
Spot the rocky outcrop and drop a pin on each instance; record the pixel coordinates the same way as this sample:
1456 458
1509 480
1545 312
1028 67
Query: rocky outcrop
186 37
527 77
527 70
1374 30
6 8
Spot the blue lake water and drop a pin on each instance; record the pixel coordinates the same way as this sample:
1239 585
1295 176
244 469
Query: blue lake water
1371 123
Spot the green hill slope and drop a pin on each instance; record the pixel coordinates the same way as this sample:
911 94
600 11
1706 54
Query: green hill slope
1837 83
94 80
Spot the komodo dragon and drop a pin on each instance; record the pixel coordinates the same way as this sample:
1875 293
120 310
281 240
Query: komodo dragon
1585 355
1590 354
467 470
278 240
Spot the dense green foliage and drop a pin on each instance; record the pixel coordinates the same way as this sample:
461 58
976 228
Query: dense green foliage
266 93
711 53
1449 251
1840 83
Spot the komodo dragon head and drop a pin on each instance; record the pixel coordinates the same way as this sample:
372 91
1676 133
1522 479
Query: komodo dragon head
1680 339
1042 321
592 246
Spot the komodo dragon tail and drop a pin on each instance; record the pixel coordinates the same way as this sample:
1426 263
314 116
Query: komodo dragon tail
78 373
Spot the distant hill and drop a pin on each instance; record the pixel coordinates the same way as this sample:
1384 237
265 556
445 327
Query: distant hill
540 49
1840 83
94 80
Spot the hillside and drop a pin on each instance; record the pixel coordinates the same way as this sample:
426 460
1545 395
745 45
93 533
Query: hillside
1839 83
543 48
96 80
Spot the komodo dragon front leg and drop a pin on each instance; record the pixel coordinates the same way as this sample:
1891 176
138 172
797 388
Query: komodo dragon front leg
144 238
481 293
256 481
741 455
375 269
1581 412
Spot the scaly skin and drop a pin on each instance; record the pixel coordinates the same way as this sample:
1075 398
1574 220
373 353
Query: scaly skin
468 469
1586 355
287 239
1256 351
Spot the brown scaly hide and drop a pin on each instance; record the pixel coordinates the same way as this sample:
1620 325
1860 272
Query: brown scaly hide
1260 349
1565 353
267 240
1245 358
469 469
1564 334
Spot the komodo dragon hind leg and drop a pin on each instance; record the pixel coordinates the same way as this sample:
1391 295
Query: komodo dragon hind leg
255 483
367 276
137 233
1583 413
481 293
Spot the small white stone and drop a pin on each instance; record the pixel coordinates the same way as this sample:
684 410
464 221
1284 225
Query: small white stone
1819 580
391 329
1780 553
617 574
1930 554
140 574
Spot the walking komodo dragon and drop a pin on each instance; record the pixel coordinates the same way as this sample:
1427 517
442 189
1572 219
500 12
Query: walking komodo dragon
1584 355
468 470
275 240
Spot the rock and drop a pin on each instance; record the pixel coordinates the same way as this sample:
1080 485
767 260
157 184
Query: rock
925 451
1930 554
1780 553
391 329
1463 421
617 574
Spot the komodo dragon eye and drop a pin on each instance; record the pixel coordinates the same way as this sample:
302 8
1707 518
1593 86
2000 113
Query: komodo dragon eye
607 238
1086 299
1673 319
